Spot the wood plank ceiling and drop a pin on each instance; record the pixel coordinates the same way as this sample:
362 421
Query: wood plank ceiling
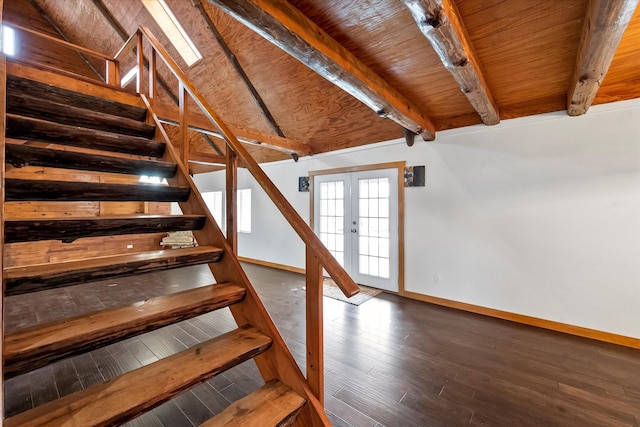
522 52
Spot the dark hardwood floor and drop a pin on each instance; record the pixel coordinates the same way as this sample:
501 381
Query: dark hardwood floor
389 362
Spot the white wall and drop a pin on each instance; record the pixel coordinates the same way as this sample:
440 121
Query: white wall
538 216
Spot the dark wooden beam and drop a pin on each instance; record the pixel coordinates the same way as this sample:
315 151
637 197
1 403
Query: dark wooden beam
285 26
440 22
3 84
42 190
602 31
68 230
236 65
20 155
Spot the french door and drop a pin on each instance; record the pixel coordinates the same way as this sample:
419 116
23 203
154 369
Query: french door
356 217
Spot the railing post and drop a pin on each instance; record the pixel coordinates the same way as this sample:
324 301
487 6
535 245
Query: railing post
111 72
184 124
152 77
232 199
315 326
140 64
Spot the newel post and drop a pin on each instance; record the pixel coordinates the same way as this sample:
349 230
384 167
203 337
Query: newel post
232 198
315 333
140 55
184 123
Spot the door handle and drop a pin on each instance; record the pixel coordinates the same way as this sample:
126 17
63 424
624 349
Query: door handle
353 230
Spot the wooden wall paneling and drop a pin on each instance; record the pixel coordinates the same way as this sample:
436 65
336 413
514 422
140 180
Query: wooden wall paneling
34 48
3 84
29 253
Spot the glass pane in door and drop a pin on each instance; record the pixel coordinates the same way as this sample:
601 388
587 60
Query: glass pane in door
331 226
373 219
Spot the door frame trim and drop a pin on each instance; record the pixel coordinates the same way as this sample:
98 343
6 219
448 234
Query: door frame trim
399 166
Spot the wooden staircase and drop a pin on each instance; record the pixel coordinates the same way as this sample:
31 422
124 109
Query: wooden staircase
102 129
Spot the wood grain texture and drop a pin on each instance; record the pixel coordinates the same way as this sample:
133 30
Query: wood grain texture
440 22
604 25
52 251
24 279
49 84
69 229
273 405
20 155
3 83
43 190
30 348
284 25
22 12
125 397
68 114
315 325
40 130
51 91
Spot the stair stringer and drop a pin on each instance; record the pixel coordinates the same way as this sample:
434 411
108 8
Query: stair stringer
277 362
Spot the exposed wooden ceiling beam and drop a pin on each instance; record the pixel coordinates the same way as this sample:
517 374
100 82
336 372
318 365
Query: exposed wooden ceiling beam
602 31
440 22
198 122
285 26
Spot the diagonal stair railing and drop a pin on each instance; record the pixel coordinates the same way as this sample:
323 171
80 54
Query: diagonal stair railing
317 255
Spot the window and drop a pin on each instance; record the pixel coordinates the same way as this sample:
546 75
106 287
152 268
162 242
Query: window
213 199
173 30
8 41
244 210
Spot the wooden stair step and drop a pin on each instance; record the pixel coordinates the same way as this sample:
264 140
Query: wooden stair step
45 190
20 155
37 277
69 229
23 104
28 128
123 398
272 405
57 94
30 348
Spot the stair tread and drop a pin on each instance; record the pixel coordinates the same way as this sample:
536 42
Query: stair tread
49 110
128 395
49 190
69 229
20 155
17 84
30 348
274 404
28 128
23 279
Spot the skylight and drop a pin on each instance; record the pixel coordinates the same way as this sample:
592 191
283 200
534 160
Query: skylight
173 30
8 41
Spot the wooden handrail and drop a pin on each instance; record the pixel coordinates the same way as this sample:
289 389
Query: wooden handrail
314 245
